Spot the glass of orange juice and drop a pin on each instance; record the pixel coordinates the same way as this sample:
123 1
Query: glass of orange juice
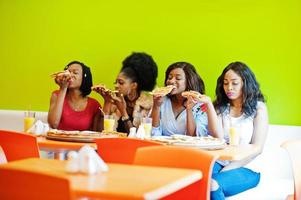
29 119
234 135
108 123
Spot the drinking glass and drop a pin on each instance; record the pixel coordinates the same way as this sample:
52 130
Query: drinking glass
147 124
109 123
29 119
234 135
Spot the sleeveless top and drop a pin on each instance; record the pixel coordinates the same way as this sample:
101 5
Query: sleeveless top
243 123
78 120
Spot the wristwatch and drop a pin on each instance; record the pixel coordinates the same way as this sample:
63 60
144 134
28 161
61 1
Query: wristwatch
125 119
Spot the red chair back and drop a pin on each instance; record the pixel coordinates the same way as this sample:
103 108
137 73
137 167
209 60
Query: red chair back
180 157
17 145
120 150
19 184
2 156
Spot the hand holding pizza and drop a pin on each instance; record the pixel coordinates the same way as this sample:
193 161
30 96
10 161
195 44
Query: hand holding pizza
159 93
162 91
196 96
119 101
106 93
190 103
62 78
103 91
158 100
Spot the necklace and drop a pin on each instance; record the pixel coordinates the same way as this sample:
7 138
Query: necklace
79 105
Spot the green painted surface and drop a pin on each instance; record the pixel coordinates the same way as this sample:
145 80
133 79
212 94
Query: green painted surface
40 37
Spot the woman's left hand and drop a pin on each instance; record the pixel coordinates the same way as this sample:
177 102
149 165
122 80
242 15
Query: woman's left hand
203 99
119 101
190 103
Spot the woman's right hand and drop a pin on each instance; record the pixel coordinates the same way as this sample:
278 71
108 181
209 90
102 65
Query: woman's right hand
63 81
158 100
105 94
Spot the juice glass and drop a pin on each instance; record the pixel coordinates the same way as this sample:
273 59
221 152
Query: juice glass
108 123
234 135
147 124
29 119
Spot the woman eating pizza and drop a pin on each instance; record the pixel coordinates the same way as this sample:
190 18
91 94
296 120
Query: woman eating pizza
70 107
183 114
130 101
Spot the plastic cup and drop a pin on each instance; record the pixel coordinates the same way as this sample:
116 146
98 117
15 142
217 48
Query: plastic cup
234 135
109 123
29 119
147 124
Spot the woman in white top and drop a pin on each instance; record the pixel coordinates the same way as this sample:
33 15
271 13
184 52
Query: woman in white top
239 103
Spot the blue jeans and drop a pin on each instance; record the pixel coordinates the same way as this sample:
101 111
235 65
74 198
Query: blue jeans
233 181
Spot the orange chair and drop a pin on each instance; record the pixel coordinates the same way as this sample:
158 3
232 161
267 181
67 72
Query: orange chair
120 150
293 147
2 156
18 184
171 156
18 145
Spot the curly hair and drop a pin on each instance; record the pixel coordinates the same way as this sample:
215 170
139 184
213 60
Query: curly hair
193 79
142 69
250 90
87 82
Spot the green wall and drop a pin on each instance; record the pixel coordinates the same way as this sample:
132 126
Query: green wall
40 37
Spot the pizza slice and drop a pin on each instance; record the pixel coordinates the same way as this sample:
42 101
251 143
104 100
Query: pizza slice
162 91
61 74
102 87
99 86
191 93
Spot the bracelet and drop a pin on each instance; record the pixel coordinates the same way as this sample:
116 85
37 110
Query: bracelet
124 120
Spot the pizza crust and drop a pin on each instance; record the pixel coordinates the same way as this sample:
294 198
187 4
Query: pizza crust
103 87
193 94
65 73
84 134
162 91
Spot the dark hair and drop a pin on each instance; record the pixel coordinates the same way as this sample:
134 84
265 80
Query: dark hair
193 80
250 89
142 69
87 83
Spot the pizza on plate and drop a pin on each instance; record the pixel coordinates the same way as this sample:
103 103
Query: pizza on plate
73 134
83 134
189 141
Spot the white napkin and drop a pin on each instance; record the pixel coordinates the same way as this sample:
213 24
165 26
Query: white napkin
140 132
86 161
72 163
132 133
39 128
